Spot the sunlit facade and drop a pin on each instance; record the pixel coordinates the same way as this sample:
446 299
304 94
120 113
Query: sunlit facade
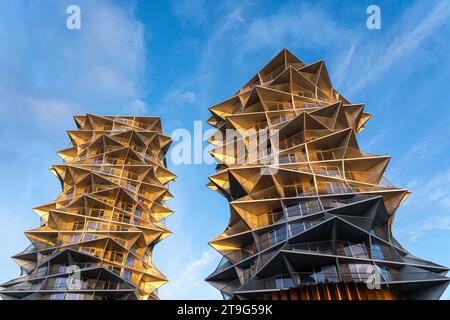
96 239
311 218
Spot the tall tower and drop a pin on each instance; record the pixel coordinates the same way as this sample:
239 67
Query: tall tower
96 238
311 216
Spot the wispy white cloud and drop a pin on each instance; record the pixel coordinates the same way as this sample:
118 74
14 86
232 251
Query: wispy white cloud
345 64
226 22
240 36
54 73
428 226
420 154
374 140
434 190
95 68
179 98
313 28
428 209
136 107
192 12
371 59
190 279
175 101
294 24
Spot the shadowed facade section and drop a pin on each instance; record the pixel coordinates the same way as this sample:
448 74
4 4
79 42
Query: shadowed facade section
96 238
318 226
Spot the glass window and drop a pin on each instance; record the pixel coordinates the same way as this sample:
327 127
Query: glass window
130 261
42 271
78 225
283 159
277 235
272 237
293 210
347 249
354 249
360 271
115 270
304 208
120 120
385 272
126 206
108 170
329 171
279 283
319 155
329 187
116 256
300 190
284 282
288 282
296 228
124 218
319 275
130 175
57 296
334 203
138 212
274 216
89 237
60 283
74 238
127 274
111 161
290 192
377 252
77 296
98 213
358 249
307 278
63 268
94 225
281 234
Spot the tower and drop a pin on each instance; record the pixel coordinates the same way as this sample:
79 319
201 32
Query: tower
97 236
310 213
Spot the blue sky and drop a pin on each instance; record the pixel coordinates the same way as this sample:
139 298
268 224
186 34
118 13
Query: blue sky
174 59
